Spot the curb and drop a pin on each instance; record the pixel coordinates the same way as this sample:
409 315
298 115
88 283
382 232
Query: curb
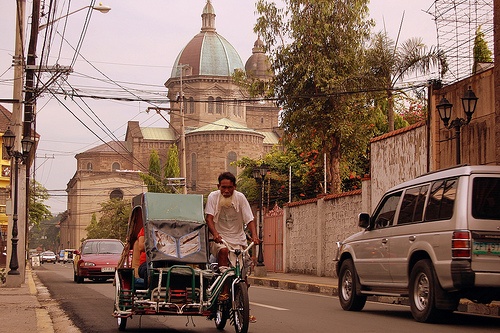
465 306
294 285
43 320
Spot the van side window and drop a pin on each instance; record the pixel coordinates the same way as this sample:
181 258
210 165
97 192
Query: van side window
412 207
486 198
385 214
441 200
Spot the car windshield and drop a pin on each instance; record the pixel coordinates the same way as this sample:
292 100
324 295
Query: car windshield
103 247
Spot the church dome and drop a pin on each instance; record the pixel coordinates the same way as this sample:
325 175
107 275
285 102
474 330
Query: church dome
258 65
208 53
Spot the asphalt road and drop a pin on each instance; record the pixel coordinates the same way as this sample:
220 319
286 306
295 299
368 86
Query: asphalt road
89 306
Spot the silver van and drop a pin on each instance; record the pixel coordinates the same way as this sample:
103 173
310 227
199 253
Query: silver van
434 239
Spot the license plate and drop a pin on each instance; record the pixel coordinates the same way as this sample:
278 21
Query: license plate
486 248
107 269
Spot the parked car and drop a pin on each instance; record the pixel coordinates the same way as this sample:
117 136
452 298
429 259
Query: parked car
434 239
96 259
48 256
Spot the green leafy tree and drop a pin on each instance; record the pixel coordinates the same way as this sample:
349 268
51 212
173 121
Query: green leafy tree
153 179
390 63
157 181
316 51
113 222
257 87
481 51
172 169
45 234
93 228
38 211
305 176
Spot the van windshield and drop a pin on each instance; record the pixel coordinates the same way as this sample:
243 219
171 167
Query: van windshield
486 198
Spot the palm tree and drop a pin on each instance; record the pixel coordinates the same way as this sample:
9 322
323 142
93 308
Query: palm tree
389 64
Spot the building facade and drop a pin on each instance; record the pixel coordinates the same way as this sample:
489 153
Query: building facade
218 120
5 174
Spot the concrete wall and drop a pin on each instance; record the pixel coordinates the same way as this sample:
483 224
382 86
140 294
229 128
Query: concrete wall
310 240
396 157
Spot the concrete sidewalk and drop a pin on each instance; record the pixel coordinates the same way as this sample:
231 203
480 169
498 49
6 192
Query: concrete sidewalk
20 310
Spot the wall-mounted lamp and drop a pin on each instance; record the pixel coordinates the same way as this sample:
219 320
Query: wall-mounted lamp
469 103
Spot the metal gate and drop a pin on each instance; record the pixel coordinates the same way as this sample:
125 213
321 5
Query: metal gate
273 240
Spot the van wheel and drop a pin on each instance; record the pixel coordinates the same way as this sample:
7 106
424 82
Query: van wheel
348 284
423 289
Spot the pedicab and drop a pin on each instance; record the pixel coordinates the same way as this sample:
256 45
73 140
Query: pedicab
180 279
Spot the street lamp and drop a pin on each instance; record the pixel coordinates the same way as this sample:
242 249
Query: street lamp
26 143
100 8
259 174
469 102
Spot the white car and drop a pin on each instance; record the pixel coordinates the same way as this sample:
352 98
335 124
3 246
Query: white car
48 256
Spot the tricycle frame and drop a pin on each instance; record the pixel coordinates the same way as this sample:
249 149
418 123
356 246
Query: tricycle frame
197 301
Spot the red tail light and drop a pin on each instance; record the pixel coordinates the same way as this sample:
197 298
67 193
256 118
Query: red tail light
461 245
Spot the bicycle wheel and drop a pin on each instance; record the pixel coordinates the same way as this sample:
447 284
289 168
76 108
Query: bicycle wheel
241 309
221 315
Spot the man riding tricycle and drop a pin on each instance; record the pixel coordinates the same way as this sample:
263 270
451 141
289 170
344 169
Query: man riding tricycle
179 278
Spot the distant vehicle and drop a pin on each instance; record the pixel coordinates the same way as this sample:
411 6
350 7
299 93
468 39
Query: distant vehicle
96 259
66 255
60 256
34 253
48 256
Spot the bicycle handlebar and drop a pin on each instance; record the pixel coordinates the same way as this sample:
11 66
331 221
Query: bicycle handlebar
231 249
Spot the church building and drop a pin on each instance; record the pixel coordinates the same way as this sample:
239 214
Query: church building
216 118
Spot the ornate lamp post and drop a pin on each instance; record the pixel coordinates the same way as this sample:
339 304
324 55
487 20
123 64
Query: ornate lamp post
259 174
469 102
26 144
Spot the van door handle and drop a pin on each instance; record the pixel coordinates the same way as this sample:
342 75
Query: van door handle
412 238
384 240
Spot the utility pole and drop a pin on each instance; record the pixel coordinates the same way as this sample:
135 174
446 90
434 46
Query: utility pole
30 101
18 266
29 116
183 136
18 64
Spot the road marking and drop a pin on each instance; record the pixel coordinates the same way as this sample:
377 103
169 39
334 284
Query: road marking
269 306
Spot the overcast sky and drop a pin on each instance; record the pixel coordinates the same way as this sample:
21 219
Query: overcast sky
134 47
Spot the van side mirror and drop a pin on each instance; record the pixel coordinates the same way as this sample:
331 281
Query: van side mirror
364 220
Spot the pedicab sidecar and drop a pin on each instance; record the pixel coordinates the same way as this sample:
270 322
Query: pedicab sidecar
180 280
